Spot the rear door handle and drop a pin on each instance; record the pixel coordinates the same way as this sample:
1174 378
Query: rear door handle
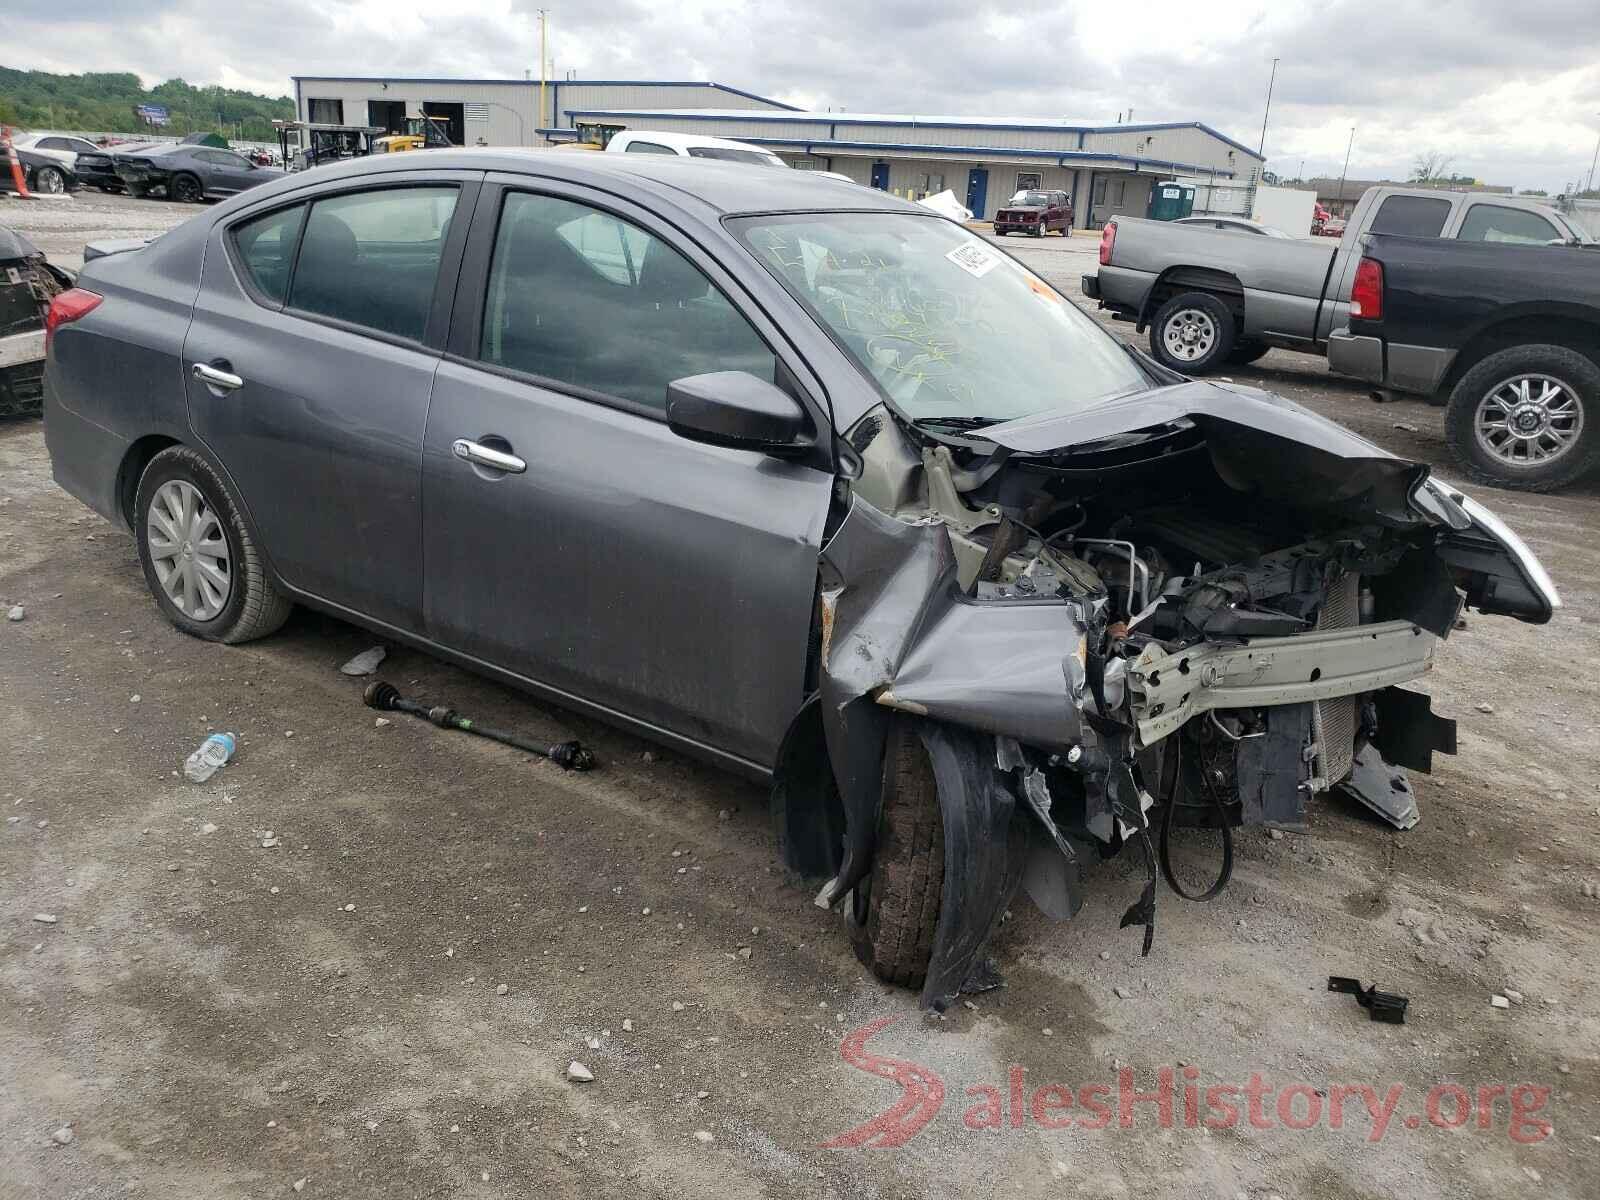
487 456
212 377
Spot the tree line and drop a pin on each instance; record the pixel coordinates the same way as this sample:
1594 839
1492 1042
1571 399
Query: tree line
104 102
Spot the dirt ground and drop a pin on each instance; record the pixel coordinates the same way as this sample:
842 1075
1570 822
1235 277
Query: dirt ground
214 1017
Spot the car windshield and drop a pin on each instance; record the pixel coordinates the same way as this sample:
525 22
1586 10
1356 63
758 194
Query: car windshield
945 324
1037 199
729 154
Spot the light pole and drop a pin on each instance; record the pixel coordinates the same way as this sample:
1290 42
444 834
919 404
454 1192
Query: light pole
1273 78
1346 170
1592 161
544 21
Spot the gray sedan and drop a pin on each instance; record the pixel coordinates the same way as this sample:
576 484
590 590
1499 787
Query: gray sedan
790 475
188 173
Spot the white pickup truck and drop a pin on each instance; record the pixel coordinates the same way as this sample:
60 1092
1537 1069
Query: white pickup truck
1213 299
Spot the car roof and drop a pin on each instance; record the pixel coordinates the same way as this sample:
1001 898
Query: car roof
726 187
683 141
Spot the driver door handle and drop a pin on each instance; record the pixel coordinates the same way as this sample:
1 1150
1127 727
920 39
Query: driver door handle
212 377
487 456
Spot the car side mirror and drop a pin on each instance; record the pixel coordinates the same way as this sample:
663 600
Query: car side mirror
737 409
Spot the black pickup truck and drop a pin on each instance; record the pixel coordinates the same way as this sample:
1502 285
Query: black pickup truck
1508 336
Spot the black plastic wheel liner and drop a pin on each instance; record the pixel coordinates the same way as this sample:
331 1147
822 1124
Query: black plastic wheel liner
985 850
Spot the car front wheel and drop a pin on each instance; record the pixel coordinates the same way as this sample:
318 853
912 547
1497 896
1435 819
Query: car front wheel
895 910
1526 418
49 181
1193 333
200 561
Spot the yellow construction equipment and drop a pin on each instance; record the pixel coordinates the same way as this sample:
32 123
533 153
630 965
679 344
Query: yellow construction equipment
422 133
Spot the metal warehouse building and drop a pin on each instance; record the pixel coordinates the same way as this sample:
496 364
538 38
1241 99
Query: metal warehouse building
1108 169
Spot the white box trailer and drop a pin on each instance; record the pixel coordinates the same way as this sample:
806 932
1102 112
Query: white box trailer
1288 209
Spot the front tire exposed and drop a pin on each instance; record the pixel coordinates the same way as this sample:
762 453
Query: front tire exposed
1193 333
1526 418
200 561
896 908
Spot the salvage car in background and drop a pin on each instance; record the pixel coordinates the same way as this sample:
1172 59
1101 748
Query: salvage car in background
42 173
27 285
1035 212
189 173
1507 335
984 594
1210 301
63 147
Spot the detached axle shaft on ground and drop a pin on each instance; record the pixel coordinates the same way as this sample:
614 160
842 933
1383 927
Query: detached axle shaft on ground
387 698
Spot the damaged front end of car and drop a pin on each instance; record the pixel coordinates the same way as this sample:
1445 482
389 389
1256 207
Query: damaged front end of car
1196 605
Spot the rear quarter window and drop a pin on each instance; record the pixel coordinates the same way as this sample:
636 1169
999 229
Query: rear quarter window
265 247
1411 216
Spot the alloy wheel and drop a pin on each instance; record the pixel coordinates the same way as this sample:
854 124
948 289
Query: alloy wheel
189 550
1528 420
49 181
1189 334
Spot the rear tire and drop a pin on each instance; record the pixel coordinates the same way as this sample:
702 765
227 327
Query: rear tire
1484 410
48 181
896 910
252 607
1193 333
185 189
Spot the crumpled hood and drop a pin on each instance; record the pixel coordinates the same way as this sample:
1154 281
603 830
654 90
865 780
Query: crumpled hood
1280 447
1229 403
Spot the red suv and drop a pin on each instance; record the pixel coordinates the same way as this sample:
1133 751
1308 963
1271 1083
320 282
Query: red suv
1035 212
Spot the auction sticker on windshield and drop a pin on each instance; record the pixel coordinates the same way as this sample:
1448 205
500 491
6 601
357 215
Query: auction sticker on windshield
972 258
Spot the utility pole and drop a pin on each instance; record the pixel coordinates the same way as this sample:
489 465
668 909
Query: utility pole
1300 175
544 22
1272 79
1346 170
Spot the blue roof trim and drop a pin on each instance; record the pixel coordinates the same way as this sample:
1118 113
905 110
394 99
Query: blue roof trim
1063 158
706 83
843 118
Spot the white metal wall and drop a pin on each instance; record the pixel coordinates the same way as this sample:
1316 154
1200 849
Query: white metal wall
579 95
508 112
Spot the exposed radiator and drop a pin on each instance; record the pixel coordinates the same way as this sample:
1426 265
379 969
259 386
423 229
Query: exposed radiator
1334 726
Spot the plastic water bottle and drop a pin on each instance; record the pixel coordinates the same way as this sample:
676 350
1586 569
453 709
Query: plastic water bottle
214 751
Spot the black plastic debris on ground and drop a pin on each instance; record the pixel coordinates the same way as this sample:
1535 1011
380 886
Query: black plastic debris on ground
1380 1006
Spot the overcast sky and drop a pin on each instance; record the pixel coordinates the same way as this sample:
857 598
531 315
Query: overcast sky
1510 92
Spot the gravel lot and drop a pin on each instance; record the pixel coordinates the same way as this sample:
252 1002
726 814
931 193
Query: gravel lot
212 1017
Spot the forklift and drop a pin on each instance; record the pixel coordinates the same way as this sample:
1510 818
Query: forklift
422 133
309 143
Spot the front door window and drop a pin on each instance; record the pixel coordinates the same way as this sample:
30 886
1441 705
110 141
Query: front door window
583 298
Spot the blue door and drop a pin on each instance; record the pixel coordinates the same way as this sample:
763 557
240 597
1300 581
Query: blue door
880 176
978 190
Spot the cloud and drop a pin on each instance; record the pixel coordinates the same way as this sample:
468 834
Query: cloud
1510 95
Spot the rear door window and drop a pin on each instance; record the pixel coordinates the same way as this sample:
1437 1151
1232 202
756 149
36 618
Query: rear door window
266 248
372 258
1411 216
647 148
1501 223
581 297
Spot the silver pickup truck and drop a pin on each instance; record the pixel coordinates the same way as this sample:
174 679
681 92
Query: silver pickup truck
1213 299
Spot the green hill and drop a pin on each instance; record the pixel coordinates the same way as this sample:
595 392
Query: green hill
104 102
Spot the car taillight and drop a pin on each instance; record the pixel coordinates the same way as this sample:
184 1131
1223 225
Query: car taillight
1108 239
1366 294
66 308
